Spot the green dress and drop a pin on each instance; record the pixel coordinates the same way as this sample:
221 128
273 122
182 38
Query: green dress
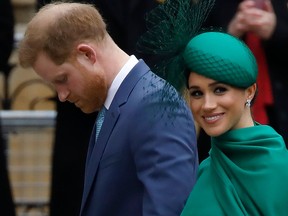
245 174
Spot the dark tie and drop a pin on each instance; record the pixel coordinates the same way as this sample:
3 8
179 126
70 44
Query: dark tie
99 121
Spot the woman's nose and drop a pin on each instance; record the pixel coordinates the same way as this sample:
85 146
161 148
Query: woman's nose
209 103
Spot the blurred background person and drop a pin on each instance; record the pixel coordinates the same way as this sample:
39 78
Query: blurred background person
7 206
125 23
6 47
7 34
263 25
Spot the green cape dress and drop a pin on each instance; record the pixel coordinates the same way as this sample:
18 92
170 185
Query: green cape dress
245 174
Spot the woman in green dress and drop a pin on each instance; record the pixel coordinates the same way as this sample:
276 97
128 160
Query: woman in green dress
246 172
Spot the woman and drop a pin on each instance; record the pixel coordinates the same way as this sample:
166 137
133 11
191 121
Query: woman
246 171
265 32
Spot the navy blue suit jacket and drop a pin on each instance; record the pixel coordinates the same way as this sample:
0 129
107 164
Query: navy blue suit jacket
145 159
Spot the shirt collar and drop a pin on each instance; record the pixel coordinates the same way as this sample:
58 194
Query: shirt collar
119 79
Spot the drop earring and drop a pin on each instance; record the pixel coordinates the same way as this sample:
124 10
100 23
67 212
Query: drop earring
248 103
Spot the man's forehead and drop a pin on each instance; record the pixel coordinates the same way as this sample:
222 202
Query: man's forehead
44 66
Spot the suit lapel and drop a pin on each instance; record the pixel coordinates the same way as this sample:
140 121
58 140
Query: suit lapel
95 152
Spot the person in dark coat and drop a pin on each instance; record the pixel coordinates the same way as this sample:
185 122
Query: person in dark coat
7 206
7 33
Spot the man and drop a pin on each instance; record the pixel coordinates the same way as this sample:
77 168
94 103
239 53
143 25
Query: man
144 159
126 22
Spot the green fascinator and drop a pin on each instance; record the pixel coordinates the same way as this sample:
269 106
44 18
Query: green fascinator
176 37
171 25
221 57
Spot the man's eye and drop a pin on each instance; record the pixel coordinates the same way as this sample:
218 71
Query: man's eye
61 80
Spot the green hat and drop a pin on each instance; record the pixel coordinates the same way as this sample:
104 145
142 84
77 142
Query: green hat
222 57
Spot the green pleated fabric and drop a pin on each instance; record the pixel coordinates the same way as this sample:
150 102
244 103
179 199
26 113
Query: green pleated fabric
245 174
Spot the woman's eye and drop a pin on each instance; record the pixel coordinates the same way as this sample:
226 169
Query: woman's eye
196 93
220 90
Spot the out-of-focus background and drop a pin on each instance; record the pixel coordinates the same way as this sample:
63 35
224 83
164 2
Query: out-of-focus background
26 91
27 118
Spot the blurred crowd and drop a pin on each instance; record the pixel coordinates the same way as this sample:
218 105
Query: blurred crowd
265 31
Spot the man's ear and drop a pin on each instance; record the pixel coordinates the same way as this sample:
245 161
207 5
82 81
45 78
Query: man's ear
87 52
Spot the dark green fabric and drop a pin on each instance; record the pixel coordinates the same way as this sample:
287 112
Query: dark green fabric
245 174
170 27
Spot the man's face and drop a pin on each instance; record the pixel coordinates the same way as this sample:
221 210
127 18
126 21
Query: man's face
79 82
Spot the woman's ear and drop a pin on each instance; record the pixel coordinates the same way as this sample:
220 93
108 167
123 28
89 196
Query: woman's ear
251 91
87 52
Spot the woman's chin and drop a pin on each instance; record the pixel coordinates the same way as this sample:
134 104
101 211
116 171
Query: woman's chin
213 132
